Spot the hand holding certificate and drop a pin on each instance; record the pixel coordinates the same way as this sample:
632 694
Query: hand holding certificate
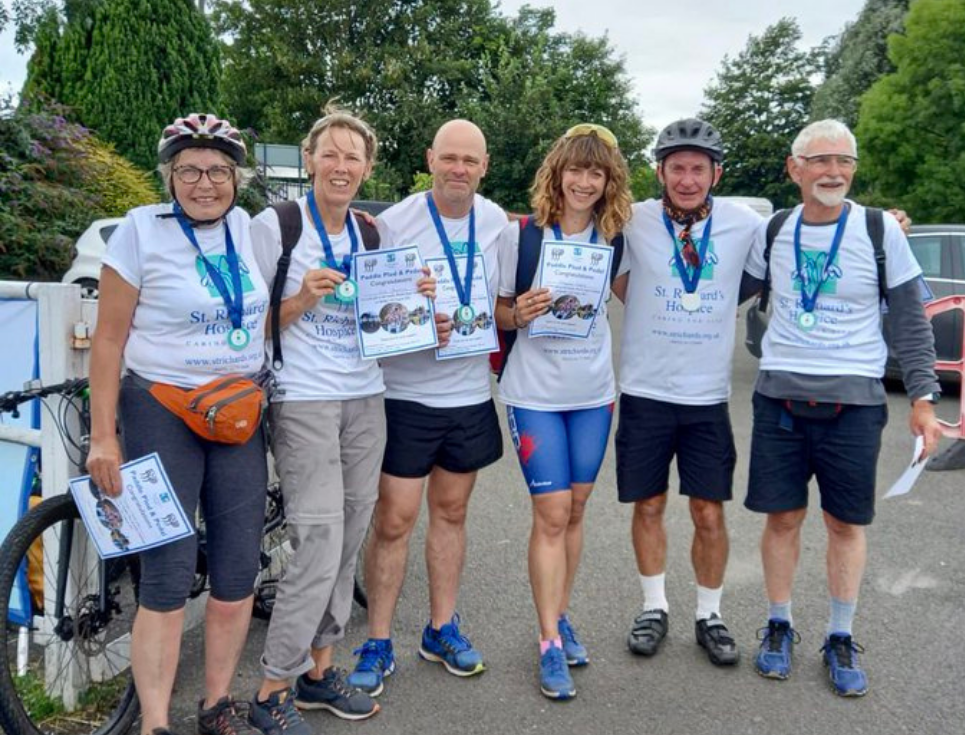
393 317
578 276
146 513
473 333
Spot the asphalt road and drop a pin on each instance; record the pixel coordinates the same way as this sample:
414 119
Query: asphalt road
910 618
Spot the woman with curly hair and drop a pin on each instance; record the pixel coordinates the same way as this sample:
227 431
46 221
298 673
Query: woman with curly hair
559 391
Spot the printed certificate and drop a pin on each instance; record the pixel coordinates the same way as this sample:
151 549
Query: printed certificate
146 513
477 335
578 276
393 317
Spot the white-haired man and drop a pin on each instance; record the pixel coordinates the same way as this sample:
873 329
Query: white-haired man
819 404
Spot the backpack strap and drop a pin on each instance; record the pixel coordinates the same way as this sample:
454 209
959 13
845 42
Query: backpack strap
527 261
370 234
290 222
774 226
617 244
875 222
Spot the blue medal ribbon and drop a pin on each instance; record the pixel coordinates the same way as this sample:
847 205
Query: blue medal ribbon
809 301
234 303
689 279
346 265
463 288
558 234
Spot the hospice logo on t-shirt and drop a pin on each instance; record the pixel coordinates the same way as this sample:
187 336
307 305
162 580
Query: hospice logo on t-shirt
460 248
710 260
812 271
221 263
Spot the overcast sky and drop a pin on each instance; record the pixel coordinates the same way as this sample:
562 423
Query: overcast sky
672 48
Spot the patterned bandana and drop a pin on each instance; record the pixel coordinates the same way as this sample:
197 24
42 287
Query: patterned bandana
687 218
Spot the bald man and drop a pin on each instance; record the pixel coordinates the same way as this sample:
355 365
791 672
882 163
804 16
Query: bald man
441 420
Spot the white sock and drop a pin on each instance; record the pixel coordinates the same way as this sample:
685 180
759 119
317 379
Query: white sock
708 602
654 592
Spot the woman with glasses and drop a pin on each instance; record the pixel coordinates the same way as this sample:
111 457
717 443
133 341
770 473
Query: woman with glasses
559 391
181 304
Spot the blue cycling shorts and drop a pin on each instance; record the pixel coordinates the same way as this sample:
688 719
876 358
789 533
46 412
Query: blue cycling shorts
559 448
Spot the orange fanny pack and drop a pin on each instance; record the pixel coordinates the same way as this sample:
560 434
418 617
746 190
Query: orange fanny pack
226 410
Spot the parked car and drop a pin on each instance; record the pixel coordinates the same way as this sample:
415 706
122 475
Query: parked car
85 270
940 251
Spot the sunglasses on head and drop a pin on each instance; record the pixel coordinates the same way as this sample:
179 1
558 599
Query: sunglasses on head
599 131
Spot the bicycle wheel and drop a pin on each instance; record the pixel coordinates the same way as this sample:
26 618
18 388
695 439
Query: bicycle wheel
276 550
85 641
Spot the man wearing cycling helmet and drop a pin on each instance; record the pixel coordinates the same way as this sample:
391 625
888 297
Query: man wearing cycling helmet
680 283
181 304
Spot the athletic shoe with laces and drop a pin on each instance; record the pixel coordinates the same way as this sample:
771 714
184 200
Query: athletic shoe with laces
449 647
713 636
555 681
224 719
277 715
332 693
841 657
376 661
574 651
777 648
649 629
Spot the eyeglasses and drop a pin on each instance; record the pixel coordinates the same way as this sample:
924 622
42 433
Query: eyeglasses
824 161
193 174
599 131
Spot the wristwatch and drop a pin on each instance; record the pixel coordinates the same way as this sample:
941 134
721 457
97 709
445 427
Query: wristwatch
930 397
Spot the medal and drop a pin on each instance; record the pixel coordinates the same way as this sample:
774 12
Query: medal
346 291
690 301
806 321
238 338
465 314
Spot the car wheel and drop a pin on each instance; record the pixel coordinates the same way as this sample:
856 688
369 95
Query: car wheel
89 287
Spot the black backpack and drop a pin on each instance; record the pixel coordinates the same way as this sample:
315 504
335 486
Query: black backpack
290 223
530 243
757 314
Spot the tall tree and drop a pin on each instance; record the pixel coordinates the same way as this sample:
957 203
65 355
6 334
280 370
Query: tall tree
758 102
911 128
127 67
408 66
856 58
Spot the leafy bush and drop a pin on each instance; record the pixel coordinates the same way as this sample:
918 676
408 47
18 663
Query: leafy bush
55 178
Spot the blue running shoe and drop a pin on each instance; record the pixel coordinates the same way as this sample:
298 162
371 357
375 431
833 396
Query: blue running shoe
575 651
777 647
841 657
449 647
376 661
555 681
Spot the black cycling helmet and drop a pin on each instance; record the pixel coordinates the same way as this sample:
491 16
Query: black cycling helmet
689 134
201 131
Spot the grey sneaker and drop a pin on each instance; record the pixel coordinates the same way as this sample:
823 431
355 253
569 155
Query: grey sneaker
649 629
223 719
332 693
278 715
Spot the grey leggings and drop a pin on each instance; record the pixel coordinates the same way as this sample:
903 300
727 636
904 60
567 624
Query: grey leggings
229 480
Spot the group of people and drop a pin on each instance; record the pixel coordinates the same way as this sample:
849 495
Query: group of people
184 297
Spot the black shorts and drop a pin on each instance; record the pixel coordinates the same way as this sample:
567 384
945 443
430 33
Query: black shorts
842 453
651 432
461 439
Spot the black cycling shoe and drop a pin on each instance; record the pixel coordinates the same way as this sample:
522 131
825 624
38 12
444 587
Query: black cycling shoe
713 635
649 629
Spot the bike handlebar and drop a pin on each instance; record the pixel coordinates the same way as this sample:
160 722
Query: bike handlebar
11 400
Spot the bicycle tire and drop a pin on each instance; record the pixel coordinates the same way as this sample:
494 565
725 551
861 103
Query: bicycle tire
276 550
107 708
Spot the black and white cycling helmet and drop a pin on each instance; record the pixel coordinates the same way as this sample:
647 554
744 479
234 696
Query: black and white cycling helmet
201 131
689 134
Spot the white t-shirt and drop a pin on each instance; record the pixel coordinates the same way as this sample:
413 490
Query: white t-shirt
846 338
668 353
418 376
180 328
554 373
320 347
